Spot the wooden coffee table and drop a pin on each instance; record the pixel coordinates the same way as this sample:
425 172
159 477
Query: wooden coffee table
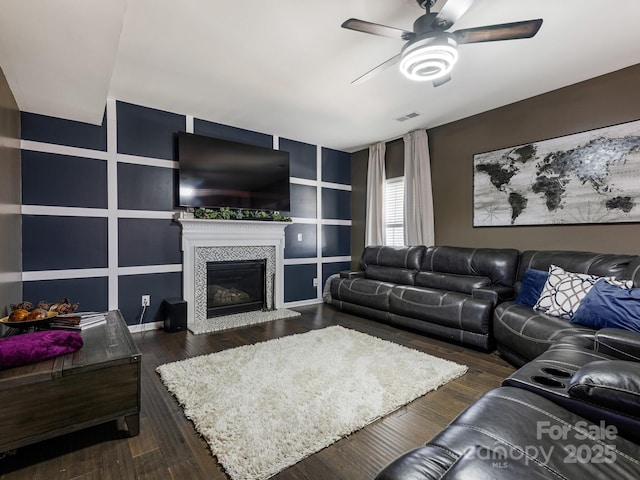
98 383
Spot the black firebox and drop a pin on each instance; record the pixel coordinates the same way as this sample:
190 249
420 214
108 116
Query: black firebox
236 286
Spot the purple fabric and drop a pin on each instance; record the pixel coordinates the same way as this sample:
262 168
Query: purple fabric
36 347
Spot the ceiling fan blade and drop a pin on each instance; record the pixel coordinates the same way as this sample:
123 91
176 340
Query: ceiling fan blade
377 29
503 31
450 13
441 81
374 71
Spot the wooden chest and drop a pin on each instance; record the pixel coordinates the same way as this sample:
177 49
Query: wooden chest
98 383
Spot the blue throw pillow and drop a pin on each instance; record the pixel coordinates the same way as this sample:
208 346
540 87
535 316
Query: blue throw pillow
609 306
531 287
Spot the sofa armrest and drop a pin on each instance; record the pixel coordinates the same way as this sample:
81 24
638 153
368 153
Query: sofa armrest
612 384
352 274
494 293
433 462
622 344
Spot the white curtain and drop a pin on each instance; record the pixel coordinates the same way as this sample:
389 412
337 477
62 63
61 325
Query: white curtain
418 198
375 221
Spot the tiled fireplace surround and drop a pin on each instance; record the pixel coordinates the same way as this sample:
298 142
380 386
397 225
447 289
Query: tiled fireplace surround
222 240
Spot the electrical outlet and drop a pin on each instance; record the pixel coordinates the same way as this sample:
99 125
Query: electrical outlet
299 237
315 282
146 300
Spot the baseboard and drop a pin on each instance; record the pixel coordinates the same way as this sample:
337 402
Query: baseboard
303 303
146 326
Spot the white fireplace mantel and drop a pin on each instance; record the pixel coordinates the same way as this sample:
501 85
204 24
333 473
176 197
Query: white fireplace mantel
198 233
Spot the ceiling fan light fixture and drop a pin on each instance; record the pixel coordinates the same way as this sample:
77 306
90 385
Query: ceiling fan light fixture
429 58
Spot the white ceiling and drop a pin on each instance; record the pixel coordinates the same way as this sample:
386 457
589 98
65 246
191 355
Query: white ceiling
285 66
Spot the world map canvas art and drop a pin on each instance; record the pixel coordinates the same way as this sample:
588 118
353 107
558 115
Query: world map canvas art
588 177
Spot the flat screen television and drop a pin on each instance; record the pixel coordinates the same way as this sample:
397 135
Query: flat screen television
218 173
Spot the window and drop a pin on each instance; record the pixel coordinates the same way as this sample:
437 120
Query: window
394 211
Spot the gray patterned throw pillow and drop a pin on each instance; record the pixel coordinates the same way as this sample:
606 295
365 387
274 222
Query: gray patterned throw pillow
563 292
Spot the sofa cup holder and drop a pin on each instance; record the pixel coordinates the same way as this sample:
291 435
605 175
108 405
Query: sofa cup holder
557 372
547 381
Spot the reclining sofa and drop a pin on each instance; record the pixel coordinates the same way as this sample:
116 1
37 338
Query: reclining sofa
447 292
569 411
468 296
522 333
569 414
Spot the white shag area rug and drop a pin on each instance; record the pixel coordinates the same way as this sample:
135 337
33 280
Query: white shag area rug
236 320
267 406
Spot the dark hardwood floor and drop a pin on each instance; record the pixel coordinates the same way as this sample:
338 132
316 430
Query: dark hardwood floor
168 447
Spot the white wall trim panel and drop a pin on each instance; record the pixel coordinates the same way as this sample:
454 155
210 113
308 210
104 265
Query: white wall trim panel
62 150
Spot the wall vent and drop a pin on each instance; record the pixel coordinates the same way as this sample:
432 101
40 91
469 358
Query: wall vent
408 116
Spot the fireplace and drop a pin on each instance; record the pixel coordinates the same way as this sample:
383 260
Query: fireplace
236 286
205 241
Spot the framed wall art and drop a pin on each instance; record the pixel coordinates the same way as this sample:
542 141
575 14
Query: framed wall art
588 177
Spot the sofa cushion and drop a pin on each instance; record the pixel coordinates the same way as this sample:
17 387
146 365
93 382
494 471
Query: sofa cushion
362 291
402 276
531 286
430 462
600 264
392 264
613 384
520 330
397 257
498 264
450 281
451 309
609 306
522 426
477 463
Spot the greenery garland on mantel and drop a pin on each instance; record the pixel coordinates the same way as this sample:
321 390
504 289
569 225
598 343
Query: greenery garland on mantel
226 213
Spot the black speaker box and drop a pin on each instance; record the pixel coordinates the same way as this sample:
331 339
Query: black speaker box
174 311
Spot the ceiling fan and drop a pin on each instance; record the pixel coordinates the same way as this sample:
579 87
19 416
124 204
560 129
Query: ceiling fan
431 51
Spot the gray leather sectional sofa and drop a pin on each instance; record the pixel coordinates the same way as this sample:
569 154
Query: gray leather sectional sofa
569 414
522 333
466 295
447 292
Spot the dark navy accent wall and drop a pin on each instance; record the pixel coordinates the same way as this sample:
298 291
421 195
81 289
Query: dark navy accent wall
297 286
302 157
89 293
63 180
304 248
336 204
225 132
41 128
141 187
69 223
147 132
147 241
63 243
303 201
336 166
158 285
336 240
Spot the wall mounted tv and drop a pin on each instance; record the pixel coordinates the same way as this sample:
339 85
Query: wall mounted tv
220 173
